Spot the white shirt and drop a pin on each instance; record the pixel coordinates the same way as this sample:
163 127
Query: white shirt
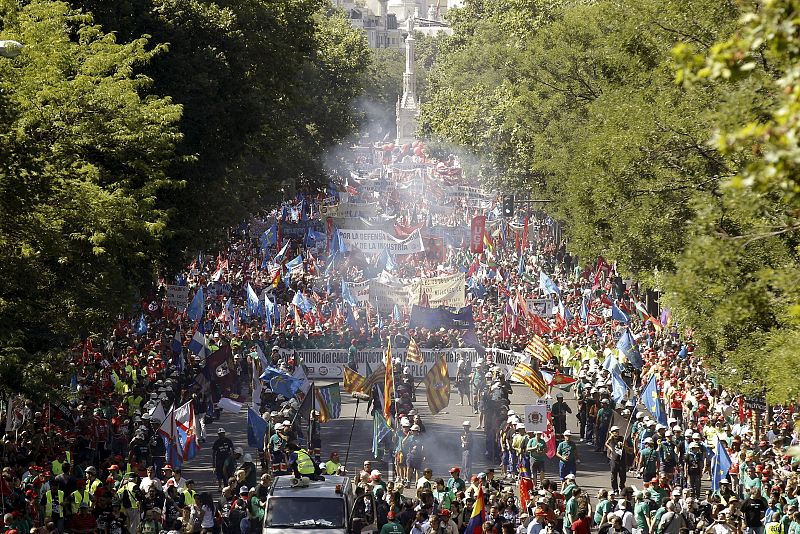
180 484
421 482
146 482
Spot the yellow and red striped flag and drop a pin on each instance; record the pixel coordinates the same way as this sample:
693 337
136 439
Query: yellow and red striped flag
530 376
354 382
413 354
437 385
388 383
374 377
538 349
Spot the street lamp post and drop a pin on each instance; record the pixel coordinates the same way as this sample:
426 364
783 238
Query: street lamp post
10 49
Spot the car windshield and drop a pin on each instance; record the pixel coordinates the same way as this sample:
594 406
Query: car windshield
304 512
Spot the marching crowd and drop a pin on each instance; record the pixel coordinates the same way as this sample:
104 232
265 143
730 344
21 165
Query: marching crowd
99 461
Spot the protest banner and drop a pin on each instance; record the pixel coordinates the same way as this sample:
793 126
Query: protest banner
350 210
506 359
440 291
384 295
372 242
328 363
477 229
360 291
178 297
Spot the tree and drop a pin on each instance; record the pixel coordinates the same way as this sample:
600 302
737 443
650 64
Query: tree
585 110
266 88
84 158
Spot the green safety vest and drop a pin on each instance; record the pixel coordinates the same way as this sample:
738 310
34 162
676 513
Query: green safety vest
48 504
188 497
305 465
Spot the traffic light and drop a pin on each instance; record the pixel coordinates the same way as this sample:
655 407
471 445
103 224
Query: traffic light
508 206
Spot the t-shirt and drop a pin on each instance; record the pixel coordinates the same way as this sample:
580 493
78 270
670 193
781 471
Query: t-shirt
536 449
567 450
581 526
753 509
392 528
640 512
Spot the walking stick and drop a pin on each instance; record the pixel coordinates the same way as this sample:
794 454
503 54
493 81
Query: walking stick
358 396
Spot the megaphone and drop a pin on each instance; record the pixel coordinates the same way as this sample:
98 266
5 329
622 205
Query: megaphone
360 396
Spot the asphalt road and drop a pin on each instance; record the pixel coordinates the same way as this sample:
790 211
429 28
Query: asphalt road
443 449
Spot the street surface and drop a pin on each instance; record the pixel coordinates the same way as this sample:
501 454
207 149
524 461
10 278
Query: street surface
442 441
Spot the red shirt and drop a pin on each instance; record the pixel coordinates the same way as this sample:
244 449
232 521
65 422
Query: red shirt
581 526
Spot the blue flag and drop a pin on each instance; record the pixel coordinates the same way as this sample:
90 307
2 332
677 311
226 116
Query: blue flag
337 243
296 262
613 365
256 429
618 388
547 285
279 256
196 308
347 295
141 325
253 303
652 401
619 315
627 347
302 302
386 261
379 431
285 385
396 315
269 237
720 465
351 320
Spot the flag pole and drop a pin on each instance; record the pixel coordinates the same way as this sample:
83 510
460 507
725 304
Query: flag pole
359 397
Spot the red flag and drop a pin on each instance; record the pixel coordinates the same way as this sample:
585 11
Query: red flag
477 229
525 235
561 323
525 485
562 380
540 327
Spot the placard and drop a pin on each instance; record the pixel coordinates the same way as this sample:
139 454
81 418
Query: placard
178 297
535 418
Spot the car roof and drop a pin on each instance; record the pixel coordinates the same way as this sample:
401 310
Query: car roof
282 487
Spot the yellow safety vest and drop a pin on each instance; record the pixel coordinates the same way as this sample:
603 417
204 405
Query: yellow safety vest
93 485
331 467
131 496
188 497
305 465
133 404
78 499
48 504
55 467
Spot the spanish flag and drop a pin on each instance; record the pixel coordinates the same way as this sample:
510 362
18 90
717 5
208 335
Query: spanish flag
475 525
388 383
487 242
276 278
437 386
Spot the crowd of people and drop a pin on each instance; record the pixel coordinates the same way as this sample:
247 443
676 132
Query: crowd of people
95 457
